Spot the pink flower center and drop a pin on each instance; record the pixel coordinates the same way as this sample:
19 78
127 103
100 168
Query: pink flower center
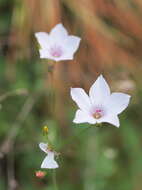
98 113
56 51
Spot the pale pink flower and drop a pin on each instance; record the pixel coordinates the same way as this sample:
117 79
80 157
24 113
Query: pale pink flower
57 45
101 105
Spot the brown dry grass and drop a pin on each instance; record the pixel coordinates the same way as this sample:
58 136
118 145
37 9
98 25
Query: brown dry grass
111 33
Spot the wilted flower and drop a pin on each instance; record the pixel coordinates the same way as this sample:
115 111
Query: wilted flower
57 45
100 106
40 174
48 162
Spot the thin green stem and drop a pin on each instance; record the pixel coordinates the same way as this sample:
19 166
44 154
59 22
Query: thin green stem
17 92
73 137
46 137
54 180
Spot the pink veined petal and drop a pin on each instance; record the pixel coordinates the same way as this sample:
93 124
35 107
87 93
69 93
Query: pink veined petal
118 102
99 91
83 117
81 99
71 44
112 119
43 39
43 147
58 33
64 56
44 53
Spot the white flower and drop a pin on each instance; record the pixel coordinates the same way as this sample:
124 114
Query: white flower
48 162
57 45
100 106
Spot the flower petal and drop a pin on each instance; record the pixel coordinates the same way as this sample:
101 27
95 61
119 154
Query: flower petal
118 102
49 162
81 99
72 44
44 54
43 39
83 117
99 91
65 57
112 119
43 147
58 33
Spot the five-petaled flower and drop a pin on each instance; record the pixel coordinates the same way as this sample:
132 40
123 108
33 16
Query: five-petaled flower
49 161
101 105
57 45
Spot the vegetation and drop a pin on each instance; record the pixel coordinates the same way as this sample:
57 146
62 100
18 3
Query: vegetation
31 95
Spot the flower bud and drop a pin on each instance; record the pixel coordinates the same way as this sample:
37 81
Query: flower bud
45 130
40 174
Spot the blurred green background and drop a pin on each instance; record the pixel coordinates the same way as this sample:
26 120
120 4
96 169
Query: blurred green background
30 97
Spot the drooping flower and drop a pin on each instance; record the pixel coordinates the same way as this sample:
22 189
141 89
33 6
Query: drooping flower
57 45
101 105
49 161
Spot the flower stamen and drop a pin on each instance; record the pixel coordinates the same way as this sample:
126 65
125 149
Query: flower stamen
97 114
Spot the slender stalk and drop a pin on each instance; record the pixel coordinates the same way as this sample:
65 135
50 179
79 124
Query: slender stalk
54 180
73 137
17 92
51 86
48 140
